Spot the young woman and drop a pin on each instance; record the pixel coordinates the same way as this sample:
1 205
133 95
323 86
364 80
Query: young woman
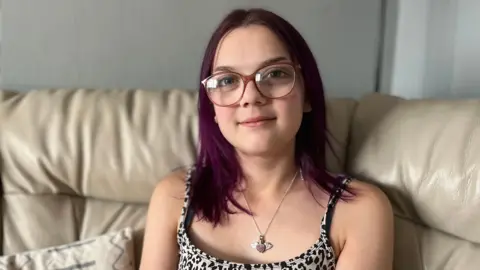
259 195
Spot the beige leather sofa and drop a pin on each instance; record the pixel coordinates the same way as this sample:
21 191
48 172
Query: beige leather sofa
80 163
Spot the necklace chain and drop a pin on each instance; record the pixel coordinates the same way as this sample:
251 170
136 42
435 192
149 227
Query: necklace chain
276 211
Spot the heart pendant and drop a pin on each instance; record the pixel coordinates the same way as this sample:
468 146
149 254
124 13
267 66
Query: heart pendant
261 248
261 245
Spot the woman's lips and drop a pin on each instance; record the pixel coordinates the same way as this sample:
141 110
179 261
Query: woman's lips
256 121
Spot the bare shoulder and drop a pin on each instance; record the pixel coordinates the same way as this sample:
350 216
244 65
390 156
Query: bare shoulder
369 206
368 197
366 226
172 184
164 211
170 191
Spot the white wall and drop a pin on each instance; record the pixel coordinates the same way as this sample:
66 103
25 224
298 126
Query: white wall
432 49
159 43
406 47
466 65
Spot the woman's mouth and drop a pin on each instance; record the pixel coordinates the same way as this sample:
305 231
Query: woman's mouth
256 121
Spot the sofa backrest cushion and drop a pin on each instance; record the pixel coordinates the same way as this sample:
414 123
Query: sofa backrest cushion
79 163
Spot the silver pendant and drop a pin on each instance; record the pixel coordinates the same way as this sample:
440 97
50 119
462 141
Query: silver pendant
261 245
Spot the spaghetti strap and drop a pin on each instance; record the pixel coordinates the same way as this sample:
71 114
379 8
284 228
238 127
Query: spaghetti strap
187 215
337 194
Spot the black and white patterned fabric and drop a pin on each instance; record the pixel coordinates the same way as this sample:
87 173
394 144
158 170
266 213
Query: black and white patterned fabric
319 256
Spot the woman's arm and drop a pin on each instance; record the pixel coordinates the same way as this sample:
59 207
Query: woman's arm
368 230
160 249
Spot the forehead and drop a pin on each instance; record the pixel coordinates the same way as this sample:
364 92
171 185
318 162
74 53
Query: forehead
246 48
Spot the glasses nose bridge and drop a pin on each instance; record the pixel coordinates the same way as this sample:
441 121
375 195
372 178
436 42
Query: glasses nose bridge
247 78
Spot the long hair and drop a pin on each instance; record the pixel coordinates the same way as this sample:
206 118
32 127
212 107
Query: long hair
217 169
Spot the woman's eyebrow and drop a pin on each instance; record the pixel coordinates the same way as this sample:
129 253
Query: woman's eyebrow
264 63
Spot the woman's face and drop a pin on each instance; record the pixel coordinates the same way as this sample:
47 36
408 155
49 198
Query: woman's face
245 50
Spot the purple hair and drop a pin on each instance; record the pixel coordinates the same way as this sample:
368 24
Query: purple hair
217 171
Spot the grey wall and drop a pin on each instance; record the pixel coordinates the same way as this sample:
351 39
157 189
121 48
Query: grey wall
158 44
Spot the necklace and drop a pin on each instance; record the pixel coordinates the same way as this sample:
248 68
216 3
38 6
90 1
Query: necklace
261 245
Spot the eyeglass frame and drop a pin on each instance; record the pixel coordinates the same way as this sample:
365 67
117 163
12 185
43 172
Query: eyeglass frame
247 78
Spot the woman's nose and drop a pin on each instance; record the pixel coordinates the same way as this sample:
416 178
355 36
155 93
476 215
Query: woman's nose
252 95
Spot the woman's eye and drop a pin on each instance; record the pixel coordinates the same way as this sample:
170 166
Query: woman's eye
226 81
275 74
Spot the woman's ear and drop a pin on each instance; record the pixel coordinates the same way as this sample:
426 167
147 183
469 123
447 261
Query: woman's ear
307 107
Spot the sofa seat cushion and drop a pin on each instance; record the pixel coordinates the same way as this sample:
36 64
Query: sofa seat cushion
417 246
109 251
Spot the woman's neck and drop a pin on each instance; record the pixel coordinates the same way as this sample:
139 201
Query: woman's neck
268 175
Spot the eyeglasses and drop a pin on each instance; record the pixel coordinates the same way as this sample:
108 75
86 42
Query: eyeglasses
272 81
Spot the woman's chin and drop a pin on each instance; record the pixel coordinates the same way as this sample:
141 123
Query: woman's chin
260 150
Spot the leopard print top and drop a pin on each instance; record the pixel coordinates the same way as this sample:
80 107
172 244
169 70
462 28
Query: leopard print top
320 256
